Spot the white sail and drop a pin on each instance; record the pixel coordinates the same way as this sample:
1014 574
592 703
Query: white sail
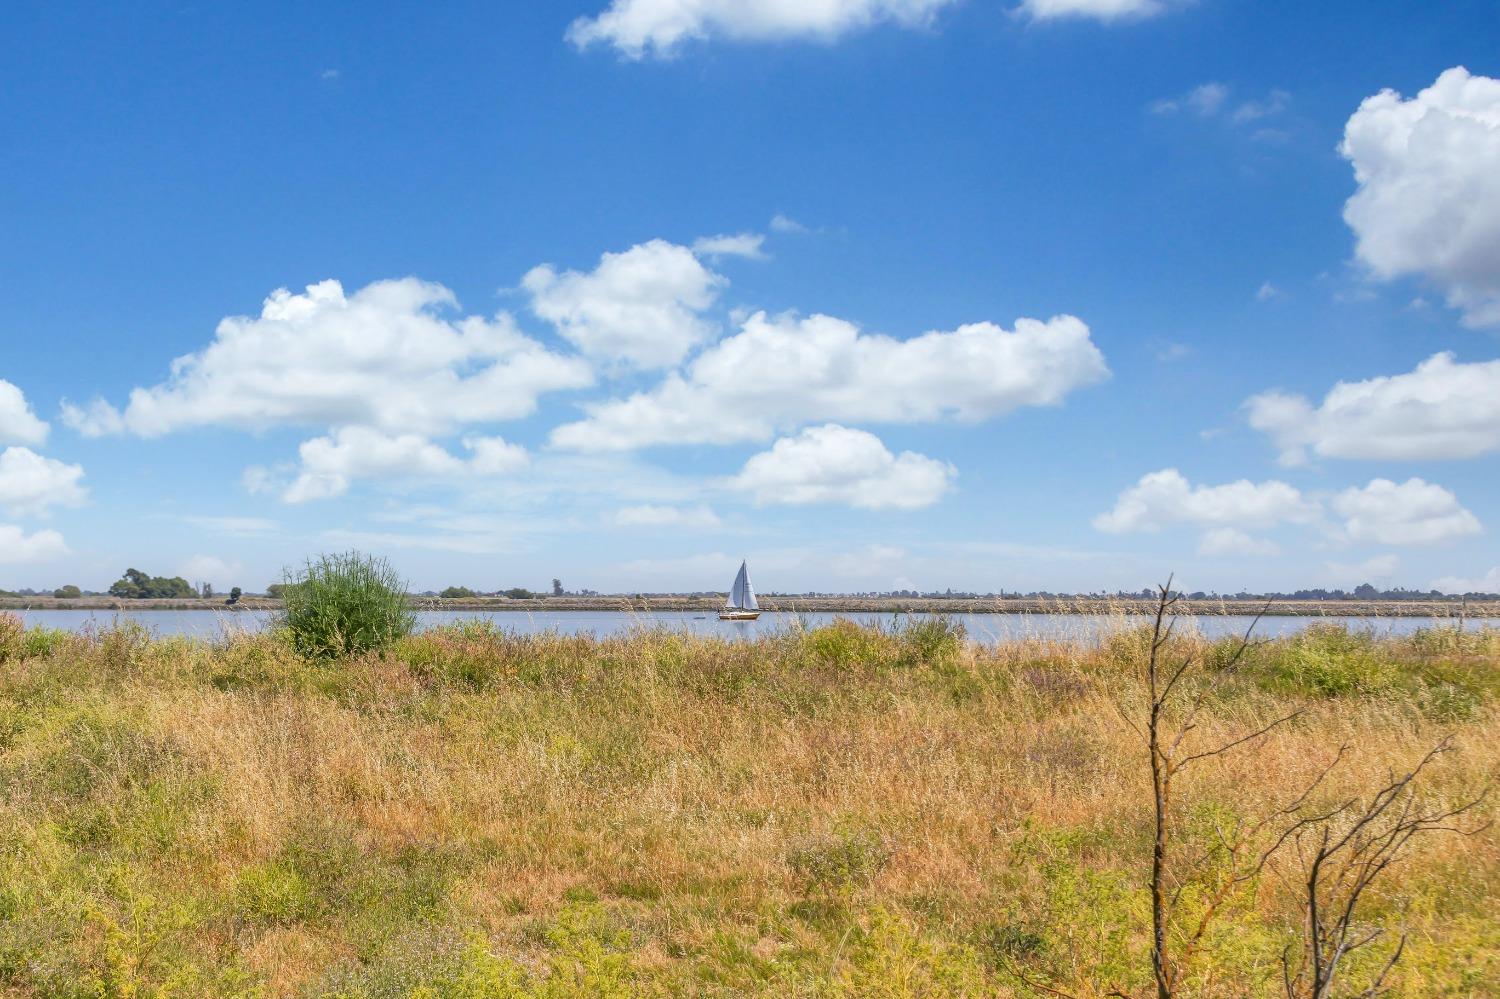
742 594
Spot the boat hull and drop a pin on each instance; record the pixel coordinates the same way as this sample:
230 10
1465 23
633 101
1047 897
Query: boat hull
738 615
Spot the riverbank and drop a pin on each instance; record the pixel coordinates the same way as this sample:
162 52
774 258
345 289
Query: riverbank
639 604
842 813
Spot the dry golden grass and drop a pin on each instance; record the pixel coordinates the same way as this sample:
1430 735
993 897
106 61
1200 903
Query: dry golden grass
835 812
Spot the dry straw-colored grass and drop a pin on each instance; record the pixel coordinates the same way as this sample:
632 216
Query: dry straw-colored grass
840 811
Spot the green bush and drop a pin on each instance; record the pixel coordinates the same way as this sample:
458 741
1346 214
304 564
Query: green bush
844 643
344 605
1331 660
931 641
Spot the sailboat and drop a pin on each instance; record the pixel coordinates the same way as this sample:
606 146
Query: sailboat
741 605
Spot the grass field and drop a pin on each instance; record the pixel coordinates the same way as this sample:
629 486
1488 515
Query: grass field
837 812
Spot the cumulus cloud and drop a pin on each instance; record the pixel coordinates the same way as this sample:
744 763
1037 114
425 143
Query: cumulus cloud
638 28
1098 10
834 464
1166 498
330 464
385 357
32 484
642 307
1411 513
17 546
1442 409
649 515
1383 512
18 424
1488 583
1427 202
781 371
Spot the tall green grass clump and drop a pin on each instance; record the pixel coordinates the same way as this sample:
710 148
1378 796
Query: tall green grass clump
344 605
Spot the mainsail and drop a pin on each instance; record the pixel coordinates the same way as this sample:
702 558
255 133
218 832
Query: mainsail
742 594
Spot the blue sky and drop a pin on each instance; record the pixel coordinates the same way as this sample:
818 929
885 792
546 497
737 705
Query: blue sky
878 293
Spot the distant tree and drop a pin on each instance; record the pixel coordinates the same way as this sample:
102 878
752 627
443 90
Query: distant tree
518 593
1364 591
136 585
276 591
234 596
69 592
557 589
454 592
206 591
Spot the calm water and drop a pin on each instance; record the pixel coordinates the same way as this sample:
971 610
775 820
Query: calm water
982 627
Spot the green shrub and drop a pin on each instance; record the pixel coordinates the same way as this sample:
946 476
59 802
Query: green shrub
1334 661
844 643
931 641
344 605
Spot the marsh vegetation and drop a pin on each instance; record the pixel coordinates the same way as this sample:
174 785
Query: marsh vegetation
838 811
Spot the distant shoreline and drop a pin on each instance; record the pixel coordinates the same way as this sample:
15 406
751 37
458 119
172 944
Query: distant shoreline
826 605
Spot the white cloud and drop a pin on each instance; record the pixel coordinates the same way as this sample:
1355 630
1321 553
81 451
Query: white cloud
1232 541
31 484
17 546
1211 100
1428 197
1344 575
1384 512
1161 499
749 245
643 306
18 424
1098 10
788 225
94 419
1273 105
330 464
1204 100
382 357
638 28
1443 409
1267 292
1411 513
217 572
1488 583
495 456
782 371
834 464
649 515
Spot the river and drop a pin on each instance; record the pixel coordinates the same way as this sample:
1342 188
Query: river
981 627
